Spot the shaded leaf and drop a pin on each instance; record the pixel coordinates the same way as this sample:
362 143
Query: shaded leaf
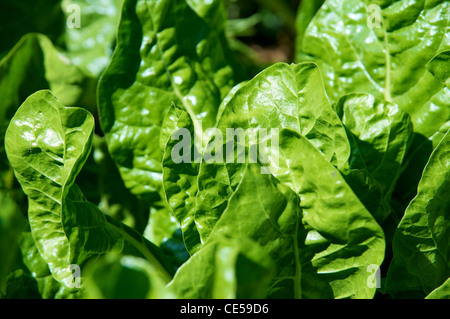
224 269
421 243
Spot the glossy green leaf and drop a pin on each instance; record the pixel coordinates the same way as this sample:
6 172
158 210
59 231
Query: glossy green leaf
90 32
159 60
34 64
383 48
309 220
47 145
224 269
282 96
421 243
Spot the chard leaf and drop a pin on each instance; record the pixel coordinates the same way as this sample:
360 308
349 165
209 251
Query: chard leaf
47 286
180 178
383 48
282 96
306 12
159 60
379 134
34 64
47 144
289 96
421 243
227 268
308 219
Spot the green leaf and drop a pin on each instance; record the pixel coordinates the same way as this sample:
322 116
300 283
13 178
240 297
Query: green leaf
159 60
90 44
282 96
442 292
34 64
421 243
306 12
385 54
180 178
439 66
308 219
379 134
224 269
47 145
47 286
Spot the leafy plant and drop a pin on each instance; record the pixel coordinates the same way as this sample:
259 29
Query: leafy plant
124 175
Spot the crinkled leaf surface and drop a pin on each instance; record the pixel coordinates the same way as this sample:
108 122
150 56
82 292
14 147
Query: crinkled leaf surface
308 219
421 243
282 96
180 178
159 60
388 60
47 144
